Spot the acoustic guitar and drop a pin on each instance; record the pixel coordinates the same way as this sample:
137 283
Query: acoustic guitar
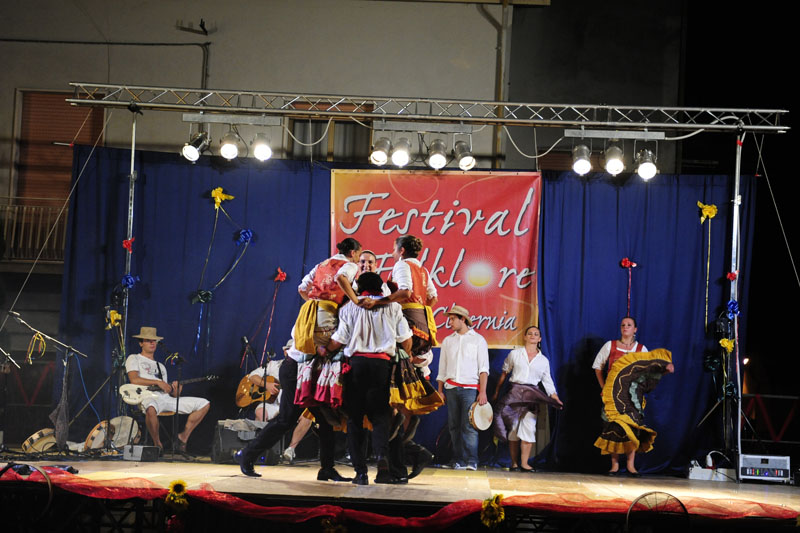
136 394
247 392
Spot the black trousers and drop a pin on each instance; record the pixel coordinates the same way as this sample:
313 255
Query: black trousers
286 419
366 392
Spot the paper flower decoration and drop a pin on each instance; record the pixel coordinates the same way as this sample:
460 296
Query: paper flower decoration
706 211
220 197
732 276
280 276
492 512
727 344
176 497
129 281
113 319
202 297
245 236
627 263
128 244
733 309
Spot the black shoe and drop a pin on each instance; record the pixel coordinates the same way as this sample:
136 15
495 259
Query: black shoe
361 479
397 423
245 466
421 460
385 477
330 474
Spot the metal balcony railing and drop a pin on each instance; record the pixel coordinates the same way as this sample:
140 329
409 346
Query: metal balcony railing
24 230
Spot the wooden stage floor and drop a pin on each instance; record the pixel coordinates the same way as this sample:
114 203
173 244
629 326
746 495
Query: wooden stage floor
434 487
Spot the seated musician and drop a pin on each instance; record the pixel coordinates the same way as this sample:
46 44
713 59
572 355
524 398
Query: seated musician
143 369
260 377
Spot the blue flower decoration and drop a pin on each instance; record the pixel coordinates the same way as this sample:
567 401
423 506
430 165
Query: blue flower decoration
129 281
733 309
245 236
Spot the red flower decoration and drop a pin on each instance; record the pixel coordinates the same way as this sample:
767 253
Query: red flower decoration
281 275
627 263
732 276
128 244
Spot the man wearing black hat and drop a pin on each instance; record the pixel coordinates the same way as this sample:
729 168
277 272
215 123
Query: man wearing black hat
370 337
143 369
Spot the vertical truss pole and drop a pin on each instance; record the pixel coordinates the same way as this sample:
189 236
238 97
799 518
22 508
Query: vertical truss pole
131 195
737 200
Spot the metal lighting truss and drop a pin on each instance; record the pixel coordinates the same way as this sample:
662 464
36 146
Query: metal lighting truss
426 109
448 114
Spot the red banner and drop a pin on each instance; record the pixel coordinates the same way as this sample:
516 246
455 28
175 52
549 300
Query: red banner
479 229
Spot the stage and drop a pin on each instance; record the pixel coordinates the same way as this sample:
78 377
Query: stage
290 495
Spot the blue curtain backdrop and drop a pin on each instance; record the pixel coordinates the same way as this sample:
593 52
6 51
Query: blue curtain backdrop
588 225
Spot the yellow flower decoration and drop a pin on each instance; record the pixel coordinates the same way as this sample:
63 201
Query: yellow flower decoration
706 211
492 512
220 197
727 344
176 497
114 318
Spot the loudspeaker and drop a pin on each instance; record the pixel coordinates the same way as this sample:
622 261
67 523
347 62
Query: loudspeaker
226 442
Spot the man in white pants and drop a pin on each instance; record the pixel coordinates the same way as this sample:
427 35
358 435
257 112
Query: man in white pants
143 369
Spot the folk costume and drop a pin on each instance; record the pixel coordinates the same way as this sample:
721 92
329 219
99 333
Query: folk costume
518 411
319 383
409 387
370 337
631 376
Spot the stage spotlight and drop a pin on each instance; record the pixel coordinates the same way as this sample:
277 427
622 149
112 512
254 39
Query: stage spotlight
196 145
229 146
745 361
463 155
261 148
380 151
581 159
647 164
401 153
614 164
437 154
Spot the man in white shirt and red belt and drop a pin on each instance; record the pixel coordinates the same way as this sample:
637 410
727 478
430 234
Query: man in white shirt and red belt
370 337
463 373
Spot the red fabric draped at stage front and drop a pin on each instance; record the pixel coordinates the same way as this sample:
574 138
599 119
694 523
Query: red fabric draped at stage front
445 517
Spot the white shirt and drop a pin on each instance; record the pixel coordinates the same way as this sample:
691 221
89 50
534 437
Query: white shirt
146 367
529 373
349 270
605 352
424 366
376 330
401 274
273 368
463 358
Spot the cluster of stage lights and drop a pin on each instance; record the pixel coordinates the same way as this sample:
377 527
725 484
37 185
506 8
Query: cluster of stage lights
645 160
399 153
229 146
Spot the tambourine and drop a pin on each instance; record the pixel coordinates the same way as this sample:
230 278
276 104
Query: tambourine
480 416
39 442
124 429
